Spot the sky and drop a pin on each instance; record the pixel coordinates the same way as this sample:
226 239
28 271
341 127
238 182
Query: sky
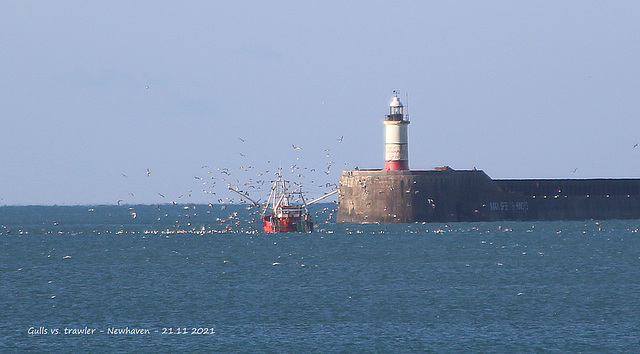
166 101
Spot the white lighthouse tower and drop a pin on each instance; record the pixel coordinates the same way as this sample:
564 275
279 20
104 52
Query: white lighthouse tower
396 147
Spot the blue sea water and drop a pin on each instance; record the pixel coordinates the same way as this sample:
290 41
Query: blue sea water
204 278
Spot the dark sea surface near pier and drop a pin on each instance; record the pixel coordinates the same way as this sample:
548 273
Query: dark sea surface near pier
458 287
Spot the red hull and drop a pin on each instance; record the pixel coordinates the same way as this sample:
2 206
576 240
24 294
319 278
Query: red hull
267 225
289 224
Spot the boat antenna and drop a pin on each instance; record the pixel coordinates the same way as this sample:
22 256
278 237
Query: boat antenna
406 106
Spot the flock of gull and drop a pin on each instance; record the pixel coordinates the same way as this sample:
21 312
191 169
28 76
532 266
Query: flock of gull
248 180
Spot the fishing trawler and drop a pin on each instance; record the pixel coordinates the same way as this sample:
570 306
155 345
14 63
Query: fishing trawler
285 210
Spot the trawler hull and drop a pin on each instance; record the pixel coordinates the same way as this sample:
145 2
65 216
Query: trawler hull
286 224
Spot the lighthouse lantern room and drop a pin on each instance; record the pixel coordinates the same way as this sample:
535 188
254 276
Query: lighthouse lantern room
396 154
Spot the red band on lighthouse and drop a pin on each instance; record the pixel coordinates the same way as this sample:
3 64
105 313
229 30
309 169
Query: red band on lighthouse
396 165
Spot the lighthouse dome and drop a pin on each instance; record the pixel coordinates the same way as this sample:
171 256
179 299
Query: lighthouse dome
395 102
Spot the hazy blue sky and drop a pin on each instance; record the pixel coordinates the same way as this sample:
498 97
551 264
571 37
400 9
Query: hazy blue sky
515 88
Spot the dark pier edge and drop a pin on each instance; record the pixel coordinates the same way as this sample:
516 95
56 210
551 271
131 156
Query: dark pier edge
447 195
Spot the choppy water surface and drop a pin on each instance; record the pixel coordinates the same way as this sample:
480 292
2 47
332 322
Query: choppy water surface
116 271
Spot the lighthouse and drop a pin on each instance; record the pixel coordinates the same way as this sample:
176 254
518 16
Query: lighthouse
396 148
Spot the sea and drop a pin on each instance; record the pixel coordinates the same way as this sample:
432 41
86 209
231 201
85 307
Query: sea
205 278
